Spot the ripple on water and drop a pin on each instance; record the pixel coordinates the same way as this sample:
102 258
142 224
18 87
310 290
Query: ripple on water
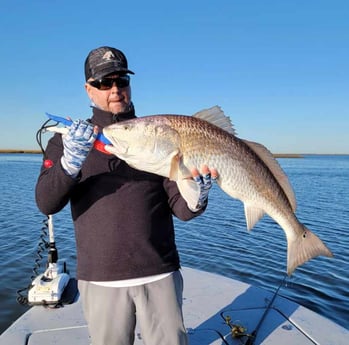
217 241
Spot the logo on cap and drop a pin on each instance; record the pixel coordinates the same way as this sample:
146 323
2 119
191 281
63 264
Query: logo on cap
109 56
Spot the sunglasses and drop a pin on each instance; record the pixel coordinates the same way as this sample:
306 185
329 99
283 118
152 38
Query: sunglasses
107 83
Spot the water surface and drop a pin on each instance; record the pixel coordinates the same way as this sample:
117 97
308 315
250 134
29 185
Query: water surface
217 241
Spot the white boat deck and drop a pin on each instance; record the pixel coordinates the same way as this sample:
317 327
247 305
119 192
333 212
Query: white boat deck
208 299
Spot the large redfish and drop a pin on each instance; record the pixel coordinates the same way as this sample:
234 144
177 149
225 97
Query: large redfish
172 145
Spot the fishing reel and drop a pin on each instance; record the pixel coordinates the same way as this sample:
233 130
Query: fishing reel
237 330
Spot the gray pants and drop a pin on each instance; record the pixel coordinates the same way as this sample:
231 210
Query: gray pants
111 312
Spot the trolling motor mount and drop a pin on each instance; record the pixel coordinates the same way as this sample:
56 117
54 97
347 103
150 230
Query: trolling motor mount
48 287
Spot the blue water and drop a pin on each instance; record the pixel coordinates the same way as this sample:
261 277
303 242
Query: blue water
216 241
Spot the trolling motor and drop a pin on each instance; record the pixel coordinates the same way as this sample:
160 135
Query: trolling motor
54 287
48 287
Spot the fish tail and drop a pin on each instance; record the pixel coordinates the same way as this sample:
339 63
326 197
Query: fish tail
305 247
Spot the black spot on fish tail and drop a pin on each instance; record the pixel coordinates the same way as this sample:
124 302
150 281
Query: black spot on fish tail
305 247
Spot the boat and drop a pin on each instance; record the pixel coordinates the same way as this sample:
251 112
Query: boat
217 311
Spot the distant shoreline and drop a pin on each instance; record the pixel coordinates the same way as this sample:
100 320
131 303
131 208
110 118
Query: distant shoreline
276 155
20 151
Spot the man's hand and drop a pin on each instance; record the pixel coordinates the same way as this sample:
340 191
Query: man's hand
77 144
204 182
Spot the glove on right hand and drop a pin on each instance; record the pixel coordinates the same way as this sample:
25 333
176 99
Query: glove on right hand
77 144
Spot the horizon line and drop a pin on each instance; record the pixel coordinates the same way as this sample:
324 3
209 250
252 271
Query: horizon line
276 155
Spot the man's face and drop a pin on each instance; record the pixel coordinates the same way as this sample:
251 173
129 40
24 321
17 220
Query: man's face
112 98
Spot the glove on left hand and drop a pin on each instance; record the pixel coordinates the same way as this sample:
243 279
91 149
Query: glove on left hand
205 183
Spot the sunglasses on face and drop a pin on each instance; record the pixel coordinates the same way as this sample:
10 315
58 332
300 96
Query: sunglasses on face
107 83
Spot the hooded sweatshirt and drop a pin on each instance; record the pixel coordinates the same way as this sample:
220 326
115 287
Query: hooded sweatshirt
123 218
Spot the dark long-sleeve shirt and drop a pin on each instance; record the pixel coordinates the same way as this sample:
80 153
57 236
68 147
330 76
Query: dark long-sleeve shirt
122 217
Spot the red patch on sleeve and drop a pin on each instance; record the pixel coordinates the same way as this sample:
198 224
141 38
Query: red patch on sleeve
48 163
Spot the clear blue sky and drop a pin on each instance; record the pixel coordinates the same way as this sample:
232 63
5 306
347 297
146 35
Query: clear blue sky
278 68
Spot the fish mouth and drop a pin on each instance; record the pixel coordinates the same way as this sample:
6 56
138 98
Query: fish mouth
118 146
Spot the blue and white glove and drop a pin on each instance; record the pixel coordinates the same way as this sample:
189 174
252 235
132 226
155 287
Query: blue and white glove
204 182
77 144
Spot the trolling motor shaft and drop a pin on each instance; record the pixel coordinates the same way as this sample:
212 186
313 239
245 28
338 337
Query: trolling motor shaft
52 252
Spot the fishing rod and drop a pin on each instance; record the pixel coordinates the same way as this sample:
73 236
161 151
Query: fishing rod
239 331
252 337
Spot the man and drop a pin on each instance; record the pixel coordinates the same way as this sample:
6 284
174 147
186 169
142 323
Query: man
127 261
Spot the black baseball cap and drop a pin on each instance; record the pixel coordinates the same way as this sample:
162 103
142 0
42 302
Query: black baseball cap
105 60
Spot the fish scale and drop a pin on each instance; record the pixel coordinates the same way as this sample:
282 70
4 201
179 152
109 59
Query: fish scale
199 146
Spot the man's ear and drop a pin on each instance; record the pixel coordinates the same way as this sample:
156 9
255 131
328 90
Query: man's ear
88 89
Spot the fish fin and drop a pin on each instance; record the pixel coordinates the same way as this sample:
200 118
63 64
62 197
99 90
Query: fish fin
189 190
253 215
305 247
216 116
147 163
174 168
269 160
